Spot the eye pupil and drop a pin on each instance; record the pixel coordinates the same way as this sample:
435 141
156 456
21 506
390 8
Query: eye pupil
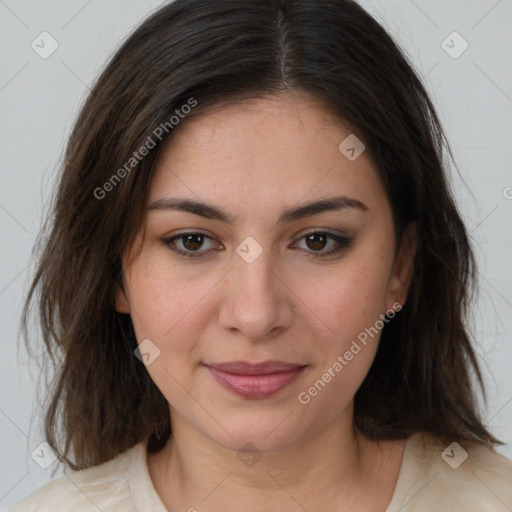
313 237
193 246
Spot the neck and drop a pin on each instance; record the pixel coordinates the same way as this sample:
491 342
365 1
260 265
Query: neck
338 465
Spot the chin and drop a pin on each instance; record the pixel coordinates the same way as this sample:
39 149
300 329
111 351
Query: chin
265 432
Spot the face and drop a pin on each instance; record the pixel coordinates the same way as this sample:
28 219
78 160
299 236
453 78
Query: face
245 284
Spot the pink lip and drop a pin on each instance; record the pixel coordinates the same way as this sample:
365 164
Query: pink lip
255 380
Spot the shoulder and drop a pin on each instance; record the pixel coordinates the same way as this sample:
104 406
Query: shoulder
105 487
439 473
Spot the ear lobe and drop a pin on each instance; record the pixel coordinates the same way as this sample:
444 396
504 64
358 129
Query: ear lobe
404 267
122 303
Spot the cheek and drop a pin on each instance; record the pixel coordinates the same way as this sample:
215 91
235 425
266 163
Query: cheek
164 296
167 307
350 296
349 301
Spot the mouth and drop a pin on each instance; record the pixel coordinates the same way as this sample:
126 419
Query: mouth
251 380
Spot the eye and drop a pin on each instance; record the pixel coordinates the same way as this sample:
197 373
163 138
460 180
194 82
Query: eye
318 240
190 241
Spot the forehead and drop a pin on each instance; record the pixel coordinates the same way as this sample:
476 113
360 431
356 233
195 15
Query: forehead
280 148
283 120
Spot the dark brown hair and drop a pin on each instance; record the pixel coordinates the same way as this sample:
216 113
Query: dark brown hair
102 399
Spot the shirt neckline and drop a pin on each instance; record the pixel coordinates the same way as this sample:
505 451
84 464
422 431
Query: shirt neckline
143 491
410 471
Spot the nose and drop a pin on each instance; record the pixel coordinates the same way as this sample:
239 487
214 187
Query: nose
257 303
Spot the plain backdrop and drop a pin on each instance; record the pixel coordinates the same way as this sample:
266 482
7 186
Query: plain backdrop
39 98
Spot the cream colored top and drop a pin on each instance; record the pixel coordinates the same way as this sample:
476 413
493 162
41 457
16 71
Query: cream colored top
433 477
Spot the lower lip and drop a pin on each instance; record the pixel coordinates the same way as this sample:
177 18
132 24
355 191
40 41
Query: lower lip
255 386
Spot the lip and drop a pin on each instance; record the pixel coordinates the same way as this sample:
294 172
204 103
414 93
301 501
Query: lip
255 380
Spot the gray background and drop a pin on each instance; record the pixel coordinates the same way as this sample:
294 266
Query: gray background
39 99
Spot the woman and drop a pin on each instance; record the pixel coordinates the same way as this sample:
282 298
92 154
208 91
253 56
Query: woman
257 277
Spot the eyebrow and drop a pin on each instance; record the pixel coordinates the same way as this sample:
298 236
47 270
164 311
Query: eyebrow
291 215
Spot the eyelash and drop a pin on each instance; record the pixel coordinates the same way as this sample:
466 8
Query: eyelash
342 241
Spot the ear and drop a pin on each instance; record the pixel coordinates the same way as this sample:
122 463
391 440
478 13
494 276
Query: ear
122 303
403 267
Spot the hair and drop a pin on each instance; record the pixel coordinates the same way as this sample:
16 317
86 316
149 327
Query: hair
102 400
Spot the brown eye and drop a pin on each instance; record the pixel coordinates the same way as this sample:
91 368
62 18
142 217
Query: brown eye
192 242
316 241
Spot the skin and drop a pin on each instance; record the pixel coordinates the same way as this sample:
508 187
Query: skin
254 160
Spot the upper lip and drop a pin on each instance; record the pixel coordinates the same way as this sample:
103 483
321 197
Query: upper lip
247 368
